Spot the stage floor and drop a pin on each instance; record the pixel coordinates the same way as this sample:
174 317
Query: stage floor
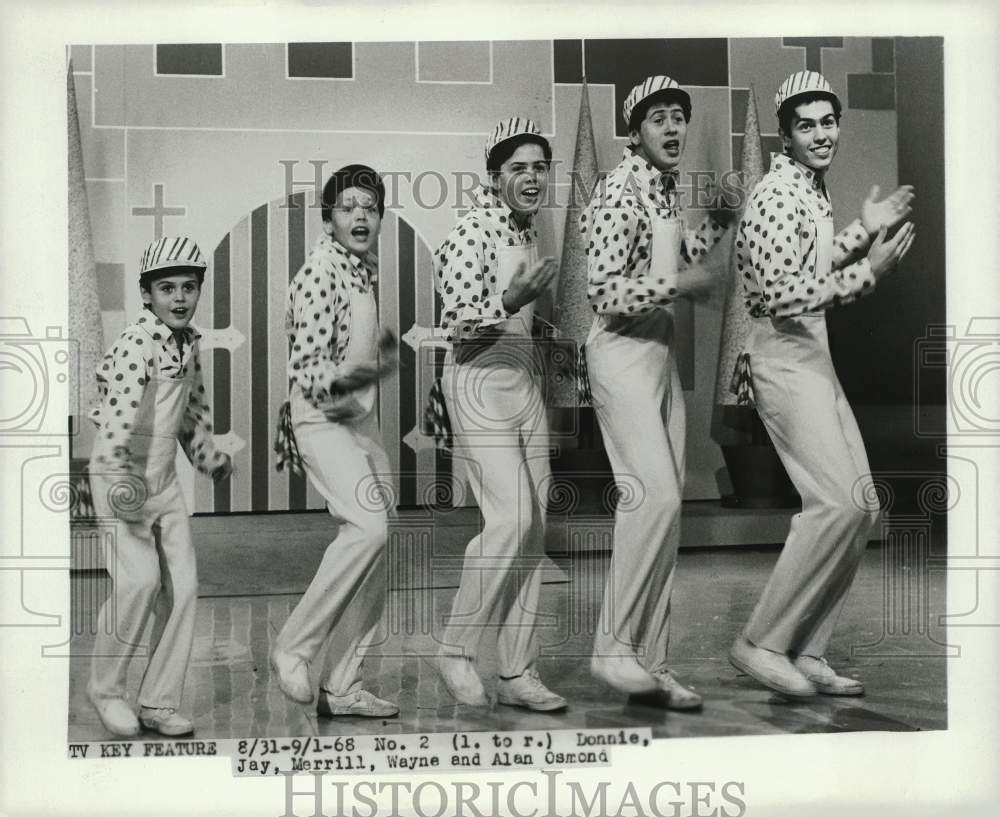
888 636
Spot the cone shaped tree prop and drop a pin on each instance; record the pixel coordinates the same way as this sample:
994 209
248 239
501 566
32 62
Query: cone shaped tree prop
732 423
757 475
572 314
84 307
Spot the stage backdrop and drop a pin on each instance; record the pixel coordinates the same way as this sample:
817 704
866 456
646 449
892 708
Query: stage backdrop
226 143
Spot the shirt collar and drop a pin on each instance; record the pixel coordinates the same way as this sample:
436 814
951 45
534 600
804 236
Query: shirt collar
645 172
363 267
497 210
162 333
795 172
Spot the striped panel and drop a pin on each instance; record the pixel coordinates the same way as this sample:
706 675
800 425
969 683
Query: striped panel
240 395
218 375
296 211
277 346
248 384
313 230
388 310
260 459
426 457
407 270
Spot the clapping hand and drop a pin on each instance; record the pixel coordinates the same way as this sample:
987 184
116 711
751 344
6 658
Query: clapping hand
884 255
886 213
527 284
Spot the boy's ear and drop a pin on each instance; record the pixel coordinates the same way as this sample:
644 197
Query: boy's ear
328 227
633 138
147 296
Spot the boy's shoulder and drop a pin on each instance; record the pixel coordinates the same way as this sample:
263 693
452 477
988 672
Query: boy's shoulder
469 228
771 186
136 335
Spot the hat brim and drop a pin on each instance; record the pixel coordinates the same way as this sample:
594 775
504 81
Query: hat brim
169 266
532 137
815 93
678 95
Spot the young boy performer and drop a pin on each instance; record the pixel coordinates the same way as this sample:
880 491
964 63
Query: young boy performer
329 429
488 276
152 397
794 269
640 259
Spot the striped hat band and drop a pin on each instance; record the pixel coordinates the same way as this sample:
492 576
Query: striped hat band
648 87
799 83
168 252
508 129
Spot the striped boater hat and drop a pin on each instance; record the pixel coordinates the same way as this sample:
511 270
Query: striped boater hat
170 253
508 129
802 82
648 87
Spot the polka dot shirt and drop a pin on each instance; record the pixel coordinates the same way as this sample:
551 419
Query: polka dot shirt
618 226
146 347
467 264
318 317
776 252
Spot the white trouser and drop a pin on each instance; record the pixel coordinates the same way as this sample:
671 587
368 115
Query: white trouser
152 559
344 602
501 433
639 402
812 426
153 567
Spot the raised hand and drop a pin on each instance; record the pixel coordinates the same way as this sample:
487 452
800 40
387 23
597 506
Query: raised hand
225 469
884 255
886 213
718 206
527 284
354 376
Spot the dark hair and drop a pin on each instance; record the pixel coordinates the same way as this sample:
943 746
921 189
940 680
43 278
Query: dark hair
666 95
147 279
786 113
503 151
360 176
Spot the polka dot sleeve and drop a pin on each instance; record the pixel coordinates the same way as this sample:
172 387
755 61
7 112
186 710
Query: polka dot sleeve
618 239
780 245
122 378
701 239
466 268
318 326
196 428
849 243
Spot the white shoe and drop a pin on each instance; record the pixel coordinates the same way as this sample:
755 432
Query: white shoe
292 673
460 678
821 675
528 691
117 716
165 720
672 694
624 673
361 703
773 669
